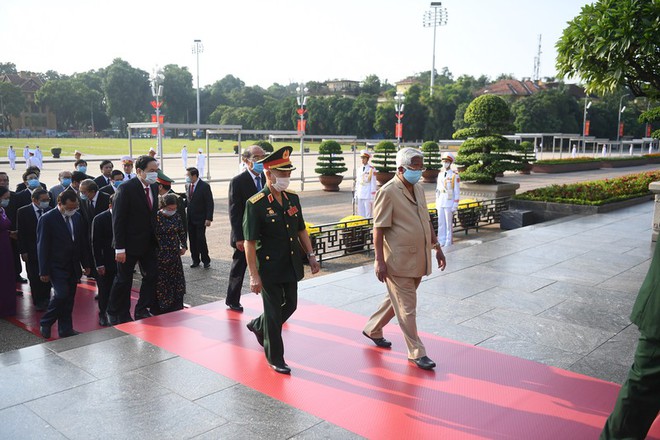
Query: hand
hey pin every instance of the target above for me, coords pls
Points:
(381, 270)
(255, 284)
(13, 235)
(24, 257)
(440, 257)
(120, 258)
(454, 207)
(240, 245)
(45, 278)
(87, 271)
(183, 251)
(313, 264)
(207, 223)
(101, 270)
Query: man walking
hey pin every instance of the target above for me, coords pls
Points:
(365, 186)
(200, 216)
(243, 186)
(104, 259)
(403, 238)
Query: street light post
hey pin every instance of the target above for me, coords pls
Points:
(618, 125)
(301, 99)
(197, 49)
(157, 92)
(587, 104)
(437, 16)
(398, 108)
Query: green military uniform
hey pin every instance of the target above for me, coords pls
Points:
(275, 228)
(638, 403)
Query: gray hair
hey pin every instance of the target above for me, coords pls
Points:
(405, 156)
(89, 184)
(249, 151)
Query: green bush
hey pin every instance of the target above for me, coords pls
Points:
(266, 146)
(432, 156)
(567, 160)
(527, 152)
(330, 161)
(385, 157)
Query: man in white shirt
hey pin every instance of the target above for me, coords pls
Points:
(127, 164)
(11, 155)
(184, 157)
(447, 195)
(201, 162)
(365, 186)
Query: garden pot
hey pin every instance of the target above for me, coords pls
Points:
(527, 169)
(383, 177)
(56, 151)
(430, 176)
(331, 183)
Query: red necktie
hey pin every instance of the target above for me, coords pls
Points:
(192, 188)
(146, 193)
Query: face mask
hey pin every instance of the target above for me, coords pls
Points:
(83, 196)
(281, 184)
(446, 164)
(44, 205)
(188, 180)
(116, 183)
(257, 167)
(66, 181)
(33, 183)
(168, 213)
(151, 177)
(82, 168)
(69, 213)
(412, 176)
(4, 203)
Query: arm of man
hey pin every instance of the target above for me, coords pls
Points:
(303, 236)
(251, 259)
(43, 249)
(383, 213)
(236, 211)
(21, 228)
(119, 219)
(97, 246)
(208, 200)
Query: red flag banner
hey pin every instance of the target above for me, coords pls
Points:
(586, 127)
(161, 120)
(648, 130)
(621, 129)
(398, 130)
(302, 125)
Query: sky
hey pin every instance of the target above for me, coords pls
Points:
(283, 41)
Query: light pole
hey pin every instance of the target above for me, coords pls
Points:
(618, 125)
(398, 108)
(197, 49)
(157, 92)
(585, 129)
(301, 99)
(437, 16)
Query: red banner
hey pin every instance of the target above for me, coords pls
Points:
(302, 125)
(621, 129)
(154, 130)
(398, 130)
(648, 130)
(586, 127)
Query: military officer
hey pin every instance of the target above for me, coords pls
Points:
(447, 195)
(365, 186)
(274, 232)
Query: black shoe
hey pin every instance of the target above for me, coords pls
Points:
(424, 363)
(381, 342)
(103, 320)
(207, 265)
(70, 333)
(143, 314)
(282, 369)
(113, 319)
(20, 279)
(194, 265)
(45, 331)
(235, 307)
(260, 336)
(19, 293)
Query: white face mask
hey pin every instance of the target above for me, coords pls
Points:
(168, 213)
(69, 213)
(281, 184)
(151, 177)
(446, 164)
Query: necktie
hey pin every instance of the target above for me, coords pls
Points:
(192, 189)
(39, 212)
(69, 224)
(257, 182)
(146, 193)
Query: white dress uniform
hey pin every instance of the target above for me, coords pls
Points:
(184, 157)
(201, 162)
(39, 157)
(365, 190)
(11, 155)
(26, 152)
(447, 195)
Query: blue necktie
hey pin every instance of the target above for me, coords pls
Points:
(69, 224)
(257, 181)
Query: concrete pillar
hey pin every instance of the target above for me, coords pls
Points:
(654, 187)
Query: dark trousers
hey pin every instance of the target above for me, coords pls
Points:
(104, 286)
(638, 403)
(60, 307)
(40, 290)
(236, 276)
(280, 301)
(17, 259)
(119, 303)
(198, 248)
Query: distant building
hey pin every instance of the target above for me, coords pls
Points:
(525, 87)
(35, 118)
(405, 84)
(343, 86)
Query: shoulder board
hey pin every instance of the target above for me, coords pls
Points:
(255, 198)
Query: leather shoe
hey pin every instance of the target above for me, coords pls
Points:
(424, 362)
(21, 280)
(381, 342)
(113, 319)
(103, 320)
(207, 265)
(282, 369)
(143, 314)
(259, 335)
(235, 307)
(70, 333)
(45, 331)
(194, 265)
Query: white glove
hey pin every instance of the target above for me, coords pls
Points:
(454, 207)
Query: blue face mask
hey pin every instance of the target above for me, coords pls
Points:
(66, 181)
(82, 168)
(116, 183)
(257, 167)
(188, 179)
(412, 176)
(83, 196)
(33, 183)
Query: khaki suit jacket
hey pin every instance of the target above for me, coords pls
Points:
(406, 229)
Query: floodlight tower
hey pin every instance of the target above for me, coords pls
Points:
(435, 17)
(197, 49)
(157, 93)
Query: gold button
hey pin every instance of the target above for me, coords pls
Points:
(287, 225)
(290, 238)
(291, 252)
(267, 257)
(273, 220)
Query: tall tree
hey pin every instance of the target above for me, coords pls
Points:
(127, 93)
(7, 68)
(13, 103)
(178, 95)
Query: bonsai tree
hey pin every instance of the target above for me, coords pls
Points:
(265, 145)
(384, 157)
(330, 161)
(432, 155)
(486, 152)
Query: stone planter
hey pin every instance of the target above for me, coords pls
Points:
(430, 176)
(383, 177)
(56, 152)
(622, 163)
(471, 190)
(566, 167)
(331, 183)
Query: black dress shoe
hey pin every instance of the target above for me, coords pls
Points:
(259, 335)
(113, 319)
(381, 342)
(45, 331)
(194, 265)
(103, 320)
(143, 314)
(235, 307)
(70, 333)
(21, 280)
(282, 369)
(207, 265)
(424, 362)
(19, 293)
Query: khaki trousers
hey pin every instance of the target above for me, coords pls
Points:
(400, 301)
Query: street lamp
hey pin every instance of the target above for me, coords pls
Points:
(301, 99)
(585, 128)
(157, 92)
(398, 108)
(619, 129)
(437, 16)
(197, 49)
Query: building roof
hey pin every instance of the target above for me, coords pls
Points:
(512, 87)
(26, 82)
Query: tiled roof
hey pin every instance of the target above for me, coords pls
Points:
(512, 87)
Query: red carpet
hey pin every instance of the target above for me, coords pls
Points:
(339, 376)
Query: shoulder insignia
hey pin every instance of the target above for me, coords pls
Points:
(255, 198)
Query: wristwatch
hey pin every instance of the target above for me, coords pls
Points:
(310, 254)
(436, 246)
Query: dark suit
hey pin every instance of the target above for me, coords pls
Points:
(26, 221)
(11, 212)
(133, 225)
(241, 188)
(200, 209)
(101, 181)
(22, 186)
(89, 212)
(104, 255)
(108, 189)
(24, 198)
(61, 256)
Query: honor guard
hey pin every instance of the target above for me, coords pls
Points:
(447, 195)
(365, 186)
(275, 238)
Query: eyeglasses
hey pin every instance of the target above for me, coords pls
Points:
(414, 169)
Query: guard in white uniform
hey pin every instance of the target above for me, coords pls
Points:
(11, 155)
(365, 186)
(184, 157)
(201, 162)
(39, 157)
(127, 164)
(447, 195)
(26, 152)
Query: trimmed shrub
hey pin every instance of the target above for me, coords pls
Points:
(330, 161)
(385, 157)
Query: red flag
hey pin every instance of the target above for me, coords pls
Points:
(302, 125)
(586, 127)
(648, 130)
(621, 129)
(398, 130)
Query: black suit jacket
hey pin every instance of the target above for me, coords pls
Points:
(108, 189)
(24, 198)
(200, 205)
(241, 188)
(133, 223)
(89, 212)
(60, 256)
(100, 181)
(104, 253)
(26, 222)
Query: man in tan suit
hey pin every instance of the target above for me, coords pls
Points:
(403, 239)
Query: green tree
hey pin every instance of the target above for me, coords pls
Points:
(127, 92)
(371, 85)
(363, 113)
(13, 103)
(385, 120)
(416, 114)
(178, 95)
(9, 68)
(549, 111)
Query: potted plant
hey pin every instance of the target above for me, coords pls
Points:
(329, 164)
(384, 161)
(56, 152)
(527, 153)
(432, 161)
